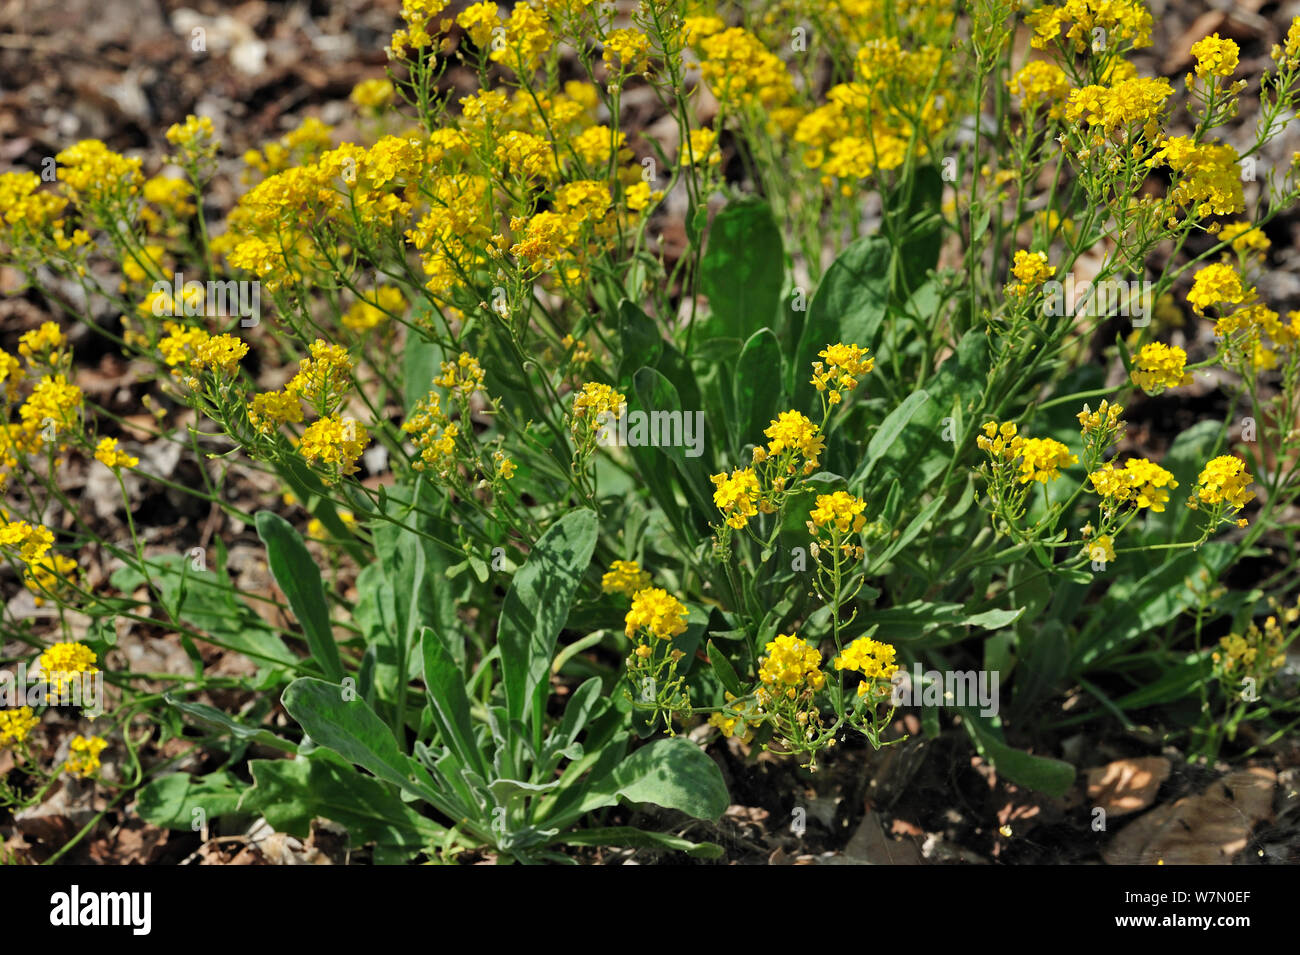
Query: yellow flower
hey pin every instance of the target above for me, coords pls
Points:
(594, 400)
(270, 409)
(1120, 21)
(372, 94)
(1000, 440)
(624, 577)
(1030, 270)
(840, 369)
(31, 542)
(479, 20)
(1215, 57)
(701, 149)
(1224, 480)
(789, 664)
(334, 442)
(108, 454)
(1216, 285)
(657, 612)
(1101, 549)
(1160, 366)
(194, 138)
(792, 432)
(1105, 418)
(464, 376)
(324, 378)
(1042, 458)
(1041, 83)
(1139, 483)
(871, 658)
(83, 755)
(43, 345)
(220, 353)
(48, 576)
(839, 510)
(626, 49)
(737, 496)
(62, 663)
(16, 724)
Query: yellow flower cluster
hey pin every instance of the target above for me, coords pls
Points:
(873, 659)
(1000, 440)
(48, 576)
(1215, 57)
(1106, 419)
(335, 443)
(1130, 105)
(63, 662)
(83, 755)
(1042, 458)
(16, 725)
(368, 313)
(1120, 21)
(1139, 483)
(1216, 285)
(656, 613)
(841, 367)
(839, 511)
(624, 577)
(372, 94)
(737, 496)
(434, 435)
(1260, 652)
(790, 665)
(1030, 270)
(1223, 481)
(31, 542)
(95, 175)
(1207, 179)
(741, 71)
(108, 454)
(461, 377)
(1039, 83)
(1159, 366)
(792, 436)
(592, 401)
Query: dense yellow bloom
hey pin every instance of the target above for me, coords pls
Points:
(1216, 285)
(1223, 481)
(1207, 179)
(63, 663)
(1040, 83)
(737, 496)
(701, 150)
(24, 206)
(31, 542)
(594, 400)
(479, 20)
(1000, 440)
(841, 367)
(83, 755)
(789, 665)
(528, 37)
(597, 145)
(16, 724)
(1258, 652)
(52, 408)
(1119, 20)
(43, 345)
(1215, 57)
(108, 454)
(794, 432)
(1136, 102)
(624, 577)
(372, 94)
(334, 442)
(220, 353)
(627, 50)
(270, 409)
(462, 377)
(657, 612)
(1246, 239)
(433, 434)
(741, 71)
(1160, 366)
(839, 510)
(1139, 483)
(639, 196)
(871, 658)
(1030, 269)
(93, 173)
(49, 575)
(1042, 458)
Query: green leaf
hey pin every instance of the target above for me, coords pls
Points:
(536, 608)
(849, 306)
(757, 384)
(170, 801)
(673, 773)
(299, 578)
(290, 793)
(888, 433)
(640, 341)
(351, 729)
(723, 668)
(743, 270)
(1051, 776)
(215, 717)
(449, 702)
